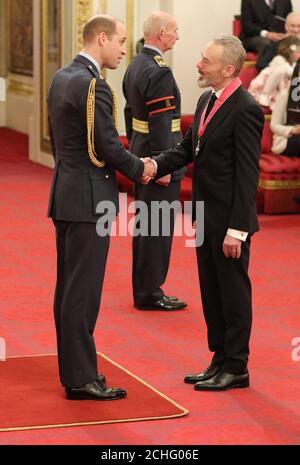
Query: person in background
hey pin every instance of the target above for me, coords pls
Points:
(276, 76)
(257, 27)
(139, 45)
(152, 114)
(292, 24)
(285, 120)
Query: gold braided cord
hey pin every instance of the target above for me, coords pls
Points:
(115, 106)
(90, 112)
(91, 120)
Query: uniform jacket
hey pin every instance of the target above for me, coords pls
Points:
(78, 185)
(226, 170)
(256, 16)
(153, 96)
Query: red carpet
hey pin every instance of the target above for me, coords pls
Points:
(33, 400)
(160, 348)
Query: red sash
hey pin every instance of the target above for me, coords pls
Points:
(227, 92)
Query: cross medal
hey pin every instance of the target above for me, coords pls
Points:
(197, 150)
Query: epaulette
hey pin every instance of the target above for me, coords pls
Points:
(160, 61)
(93, 71)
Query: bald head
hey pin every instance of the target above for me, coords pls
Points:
(161, 30)
(292, 24)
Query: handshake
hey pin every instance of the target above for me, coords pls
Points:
(150, 171)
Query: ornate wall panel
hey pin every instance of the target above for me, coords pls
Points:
(21, 37)
(51, 14)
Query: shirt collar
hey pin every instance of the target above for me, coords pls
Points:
(89, 57)
(219, 92)
(152, 47)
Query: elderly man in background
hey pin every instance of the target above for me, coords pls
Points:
(152, 116)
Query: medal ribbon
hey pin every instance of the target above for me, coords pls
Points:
(227, 92)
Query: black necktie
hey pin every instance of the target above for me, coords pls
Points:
(212, 101)
(271, 4)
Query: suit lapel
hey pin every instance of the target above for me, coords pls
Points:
(199, 110)
(219, 117)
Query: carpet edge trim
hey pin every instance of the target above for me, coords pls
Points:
(106, 422)
(145, 383)
(183, 413)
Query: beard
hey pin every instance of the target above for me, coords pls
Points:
(203, 82)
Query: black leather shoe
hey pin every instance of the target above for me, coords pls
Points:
(172, 298)
(223, 381)
(96, 390)
(163, 304)
(102, 379)
(210, 372)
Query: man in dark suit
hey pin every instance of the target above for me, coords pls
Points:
(152, 116)
(86, 149)
(259, 31)
(224, 143)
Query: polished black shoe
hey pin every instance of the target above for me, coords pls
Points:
(96, 390)
(223, 381)
(102, 379)
(210, 372)
(172, 298)
(163, 304)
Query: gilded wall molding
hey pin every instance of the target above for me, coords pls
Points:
(84, 10)
(130, 4)
(20, 88)
(103, 7)
(47, 57)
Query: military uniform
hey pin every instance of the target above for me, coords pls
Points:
(87, 151)
(152, 115)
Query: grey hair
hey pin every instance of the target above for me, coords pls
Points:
(156, 21)
(234, 52)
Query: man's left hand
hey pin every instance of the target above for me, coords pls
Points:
(232, 247)
(164, 181)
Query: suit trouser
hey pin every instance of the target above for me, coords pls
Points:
(151, 255)
(227, 303)
(265, 48)
(81, 260)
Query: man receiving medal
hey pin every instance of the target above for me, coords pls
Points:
(224, 143)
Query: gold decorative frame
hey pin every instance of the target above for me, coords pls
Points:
(20, 36)
(84, 10)
(129, 27)
(45, 78)
(20, 88)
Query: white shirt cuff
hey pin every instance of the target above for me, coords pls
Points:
(263, 33)
(241, 235)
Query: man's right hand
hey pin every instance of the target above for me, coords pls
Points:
(150, 170)
(275, 36)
